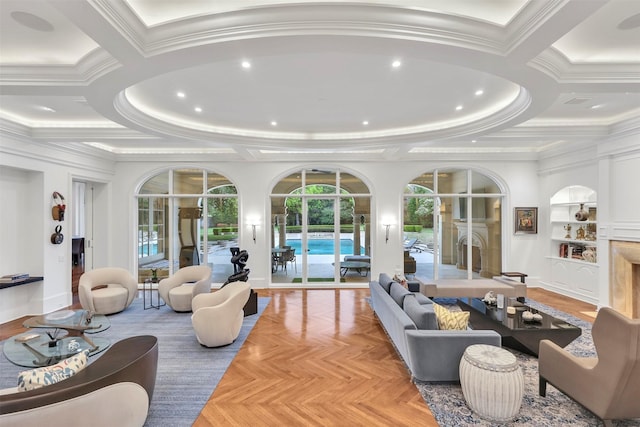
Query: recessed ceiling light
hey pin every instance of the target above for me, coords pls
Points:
(181, 95)
(246, 64)
(274, 123)
(47, 109)
(396, 63)
(479, 92)
(595, 107)
(474, 141)
(198, 109)
(365, 122)
(459, 107)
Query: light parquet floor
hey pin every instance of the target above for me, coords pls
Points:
(319, 357)
(316, 358)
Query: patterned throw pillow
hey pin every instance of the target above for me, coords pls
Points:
(451, 320)
(40, 377)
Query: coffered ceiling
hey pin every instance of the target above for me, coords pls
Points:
(278, 79)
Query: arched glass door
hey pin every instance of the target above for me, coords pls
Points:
(453, 225)
(186, 217)
(319, 220)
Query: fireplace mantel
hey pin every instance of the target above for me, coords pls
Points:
(624, 274)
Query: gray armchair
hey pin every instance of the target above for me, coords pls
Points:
(608, 385)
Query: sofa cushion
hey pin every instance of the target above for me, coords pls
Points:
(422, 299)
(398, 292)
(451, 320)
(423, 315)
(40, 377)
(385, 281)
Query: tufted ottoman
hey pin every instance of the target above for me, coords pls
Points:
(492, 382)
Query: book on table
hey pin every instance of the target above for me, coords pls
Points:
(10, 278)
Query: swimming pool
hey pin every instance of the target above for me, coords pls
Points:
(323, 246)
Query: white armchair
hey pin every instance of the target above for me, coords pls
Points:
(217, 317)
(179, 290)
(107, 290)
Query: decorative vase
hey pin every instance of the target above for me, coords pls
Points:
(582, 214)
(589, 254)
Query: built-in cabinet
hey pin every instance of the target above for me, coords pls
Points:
(573, 251)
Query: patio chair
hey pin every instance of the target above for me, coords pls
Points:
(409, 244)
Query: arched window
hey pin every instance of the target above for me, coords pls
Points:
(319, 217)
(453, 225)
(186, 217)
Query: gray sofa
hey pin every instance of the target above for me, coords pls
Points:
(430, 354)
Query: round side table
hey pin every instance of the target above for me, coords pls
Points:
(492, 382)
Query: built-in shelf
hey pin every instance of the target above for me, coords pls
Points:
(573, 244)
(21, 282)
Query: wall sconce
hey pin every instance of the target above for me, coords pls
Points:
(386, 235)
(253, 229)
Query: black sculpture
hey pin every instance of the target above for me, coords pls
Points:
(241, 274)
(239, 260)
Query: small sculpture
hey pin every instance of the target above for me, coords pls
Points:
(73, 345)
(580, 233)
(529, 316)
(239, 260)
(568, 228)
(490, 298)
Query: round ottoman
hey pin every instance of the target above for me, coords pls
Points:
(492, 382)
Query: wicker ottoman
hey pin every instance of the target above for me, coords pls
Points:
(492, 382)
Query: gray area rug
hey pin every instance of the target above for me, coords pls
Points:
(447, 403)
(188, 373)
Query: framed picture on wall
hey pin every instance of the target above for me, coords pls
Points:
(526, 220)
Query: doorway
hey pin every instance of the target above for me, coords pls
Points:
(316, 224)
(88, 207)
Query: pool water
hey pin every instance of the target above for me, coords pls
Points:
(323, 246)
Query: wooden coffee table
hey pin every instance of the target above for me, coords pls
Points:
(516, 333)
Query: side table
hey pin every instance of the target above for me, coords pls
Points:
(492, 382)
(147, 286)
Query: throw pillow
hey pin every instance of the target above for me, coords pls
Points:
(450, 320)
(40, 377)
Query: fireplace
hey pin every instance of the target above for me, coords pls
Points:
(624, 277)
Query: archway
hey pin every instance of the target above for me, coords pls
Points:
(186, 217)
(442, 209)
(319, 217)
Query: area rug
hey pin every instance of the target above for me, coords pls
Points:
(188, 373)
(447, 403)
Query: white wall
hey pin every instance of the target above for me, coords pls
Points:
(613, 168)
(29, 174)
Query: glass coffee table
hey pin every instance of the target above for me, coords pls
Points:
(516, 332)
(56, 336)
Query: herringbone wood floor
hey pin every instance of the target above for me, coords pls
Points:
(320, 358)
